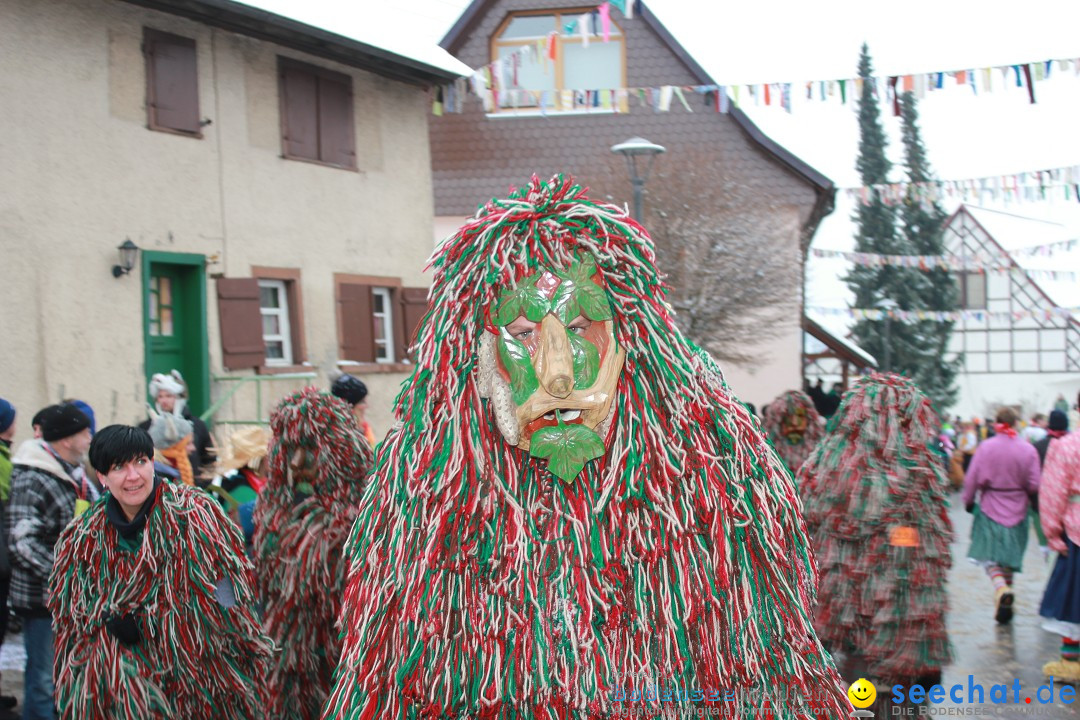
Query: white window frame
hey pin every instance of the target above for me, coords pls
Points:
(282, 313)
(387, 341)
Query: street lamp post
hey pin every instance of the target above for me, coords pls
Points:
(633, 149)
(888, 305)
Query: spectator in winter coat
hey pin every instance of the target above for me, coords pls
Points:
(7, 434)
(48, 489)
(1005, 475)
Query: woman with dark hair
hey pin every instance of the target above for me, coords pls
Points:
(151, 599)
(1004, 474)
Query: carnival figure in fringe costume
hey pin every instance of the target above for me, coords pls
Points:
(794, 426)
(1059, 512)
(151, 600)
(875, 496)
(574, 508)
(317, 465)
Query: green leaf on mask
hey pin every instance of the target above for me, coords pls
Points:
(578, 294)
(525, 299)
(567, 448)
(518, 363)
(586, 360)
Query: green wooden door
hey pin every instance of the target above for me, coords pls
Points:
(174, 326)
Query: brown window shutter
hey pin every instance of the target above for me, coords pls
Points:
(241, 323)
(299, 112)
(357, 327)
(172, 82)
(336, 136)
(413, 304)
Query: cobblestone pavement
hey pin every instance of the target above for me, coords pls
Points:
(989, 654)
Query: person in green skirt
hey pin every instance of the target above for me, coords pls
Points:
(1004, 478)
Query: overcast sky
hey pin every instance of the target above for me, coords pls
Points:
(795, 40)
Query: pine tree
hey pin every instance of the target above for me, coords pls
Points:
(911, 349)
(923, 229)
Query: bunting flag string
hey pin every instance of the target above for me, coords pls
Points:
(500, 77)
(951, 263)
(1029, 185)
(948, 316)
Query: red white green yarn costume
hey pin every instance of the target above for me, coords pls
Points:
(794, 426)
(491, 581)
(317, 464)
(875, 495)
(196, 658)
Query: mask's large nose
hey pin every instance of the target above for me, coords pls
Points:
(554, 363)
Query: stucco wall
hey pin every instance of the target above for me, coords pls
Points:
(81, 173)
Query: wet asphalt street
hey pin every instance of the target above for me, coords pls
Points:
(987, 652)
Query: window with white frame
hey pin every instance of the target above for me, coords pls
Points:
(274, 306)
(584, 75)
(973, 291)
(383, 324)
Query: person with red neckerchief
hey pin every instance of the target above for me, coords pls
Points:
(1004, 475)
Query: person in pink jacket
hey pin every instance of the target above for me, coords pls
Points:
(1059, 510)
(1004, 474)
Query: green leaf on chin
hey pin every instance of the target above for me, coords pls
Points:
(567, 448)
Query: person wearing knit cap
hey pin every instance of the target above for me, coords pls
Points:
(153, 600)
(48, 489)
(352, 390)
(7, 435)
(1056, 428)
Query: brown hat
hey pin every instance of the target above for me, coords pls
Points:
(247, 447)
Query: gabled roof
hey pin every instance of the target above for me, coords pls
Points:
(1011, 233)
(243, 19)
(825, 188)
(840, 347)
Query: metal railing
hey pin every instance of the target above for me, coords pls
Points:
(241, 381)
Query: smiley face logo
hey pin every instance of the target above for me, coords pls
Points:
(862, 693)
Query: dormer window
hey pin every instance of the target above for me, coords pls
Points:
(582, 77)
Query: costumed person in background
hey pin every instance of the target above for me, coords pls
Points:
(245, 476)
(573, 505)
(875, 497)
(172, 433)
(1059, 512)
(318, 463)
(152, 600)
(1004, 475)
(166, 390)
(794, 427)
(352, 390)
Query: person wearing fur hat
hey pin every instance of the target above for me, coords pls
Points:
(318, 464)
(166, 390)
(171, 433)
(48, 489)
(572, 506)
(152, 599)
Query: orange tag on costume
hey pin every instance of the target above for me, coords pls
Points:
(81, 506)
(903, 536)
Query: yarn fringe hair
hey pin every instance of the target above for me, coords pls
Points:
(480, 586)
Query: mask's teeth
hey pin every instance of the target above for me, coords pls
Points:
(568, 415)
